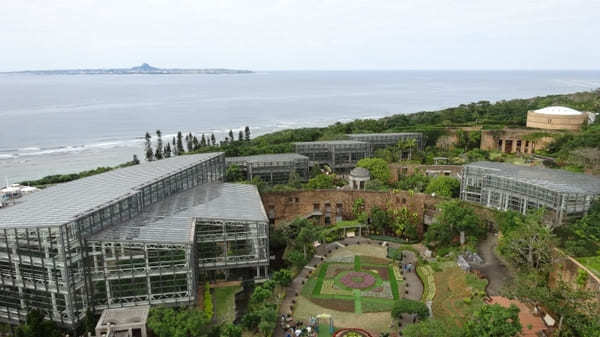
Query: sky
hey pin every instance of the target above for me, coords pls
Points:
(301, 35)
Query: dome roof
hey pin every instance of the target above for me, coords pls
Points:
(360, 172)
(558, 110)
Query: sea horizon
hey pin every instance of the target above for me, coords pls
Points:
(55, 124)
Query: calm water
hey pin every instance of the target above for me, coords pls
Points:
(59, 124)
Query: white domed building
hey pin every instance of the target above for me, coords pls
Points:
(556, 118)
(358, 178)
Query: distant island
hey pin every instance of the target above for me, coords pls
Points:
(145, 68)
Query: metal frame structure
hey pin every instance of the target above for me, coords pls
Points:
(340, 155)
(122, 238)
(564, 194)
(272, 168)
(383, 140)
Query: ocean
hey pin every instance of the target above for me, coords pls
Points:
(67, 123)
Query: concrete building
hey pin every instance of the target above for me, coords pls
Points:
(556, 118)
(564, 195)
(359, 176)
(123, 322)
(525, 141)
(272, 168)
(140, 235)
(340, 155)
(383, 140)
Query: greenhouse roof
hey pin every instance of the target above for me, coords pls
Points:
(552, 179)
(262, 158)
(171, 220)
(63, 203)
(332, 142)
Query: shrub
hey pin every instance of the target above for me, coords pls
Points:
(406, 306)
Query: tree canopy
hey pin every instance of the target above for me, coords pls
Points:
(378, 168)
(493, 321)
(444, 186)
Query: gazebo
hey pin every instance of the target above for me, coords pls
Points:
(123, 322)
(359, 177)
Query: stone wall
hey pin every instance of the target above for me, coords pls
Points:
(330, 206)
(566, 268)
(409, 169)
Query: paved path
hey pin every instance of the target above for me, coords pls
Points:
(492, 268)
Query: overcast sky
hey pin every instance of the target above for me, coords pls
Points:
(303, 34)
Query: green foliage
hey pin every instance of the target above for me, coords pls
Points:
(381, 220)
(530, 243)
(36, 326)
(405, 223)
(296, 258)
(283, 277)
(417, 182)
(208, 304)
(63, 178)
(378, 168)
(444, 186)
(358, 206)
(234, 173)
(169, 322)
(321, 182)
(375, 185)
(231, 330)
(454, 217)
(406, 306)
(493, 321)
(431, 328)
(582, 238)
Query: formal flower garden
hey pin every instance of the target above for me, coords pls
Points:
(355, 284)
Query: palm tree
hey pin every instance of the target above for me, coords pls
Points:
(410, 144)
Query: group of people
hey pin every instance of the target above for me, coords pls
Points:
(299, 329)
(407, 267)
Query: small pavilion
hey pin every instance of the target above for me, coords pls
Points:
(123, 322)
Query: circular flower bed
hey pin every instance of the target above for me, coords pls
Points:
(357, 280)
(352, 333)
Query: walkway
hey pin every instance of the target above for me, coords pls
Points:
(492, 268)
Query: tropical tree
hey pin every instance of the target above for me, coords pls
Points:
(231, 135)
(247, 133)
(167, 153)
(148, 147)
(444, 186)
(234, 173)
(308, 234)
(283, 277)
(180, 149)
(213, 139)
(405, 223)
(36, 326)
(378, 168)
(455, 218)
(240, 136)
(321, 182)
(174, 146)
(380, 219)
(493, 321)
(530, 244)
(159, 146)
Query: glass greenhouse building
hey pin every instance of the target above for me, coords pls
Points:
(383, 140)
(272, 168)
(133, 236)
(340, 155)
(564, 195)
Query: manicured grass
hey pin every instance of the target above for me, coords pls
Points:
(225, 303)
(393, 283)
(592, 263)
(356, 263)
(357, 303)
(320, 278)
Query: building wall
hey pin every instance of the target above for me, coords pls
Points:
(402, 169)
(513, 141)
(555, 122)
(283, 207)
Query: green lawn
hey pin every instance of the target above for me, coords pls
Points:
(592, 263)
(225, 303)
